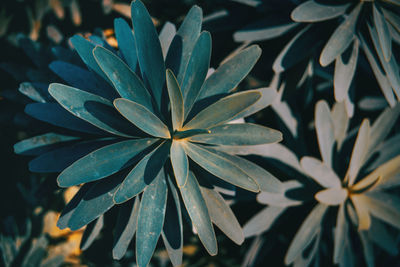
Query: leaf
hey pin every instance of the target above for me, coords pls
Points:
(126, 43)
(268, 96)
(384, 35)
(223, 110)
(312, 11)
(341, 38)
(380, 236)
(340, 121)
(387, 171)
(84, 49)
(91, 232)
(151, 219)
(35, 91)
(308, 229)
(340, 234)
(142, 174)
(103, 162)
(58, 159)
(172, 233)
(125, 228)
(179, 162)
(280, 199)
(361, 205)
(265, 180)
(183, 42)
(262, 221)
(148, 46)
(222, 216)
(332, 196)
(385, 207)
(82, 79)
(142, 118)
(220, 167)
(263, 30)
(325, 131)
(97, 201)
(196, 71)
(240, 134)
(89, 107)
(166, 36)
(54, 114)
(359, 153)
(198, 212)
(176, 101)
(320, 172)
(125, 81)
(344, 72)
(231, 73)
(41, 142)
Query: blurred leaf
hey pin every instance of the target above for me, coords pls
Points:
(385, 39)
(91, 233)
(262, 221)
(332, 196)
(313, 11)
(320, 172)
(325, 131)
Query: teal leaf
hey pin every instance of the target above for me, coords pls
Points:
(344, 72)
(262, 221)
(223, 110)
(84, 49)
(172, 233)
(340, 234)
(222, 215)
(125, 228)
(35, 91)
(325, 131)
(308, 230)
(103, 162)
(126, 43)
(238, 134)
(95, 202)
(198, 212)
(220, 166)
(142, 118)
(183, 42)
(188, 133)
(385, 207)
(89, 107)
(263, 30)
(312, 11)
(320, 172)
(125, 81)
(151, 219)
(382, 237)
(341, 37)
(180, 163)
(148, 46)
(166, 36)
(143, 173)
(268, 97)
(368, 249)
(39, 142)
(382, 29)
(231, 73)
(91, 232)
(176, 101)
(196, 71)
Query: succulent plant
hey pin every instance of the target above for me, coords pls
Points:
(359, 202)
(340, 29)
(136, 135)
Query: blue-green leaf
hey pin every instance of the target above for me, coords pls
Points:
(166, 36)
(103, 162)
(231, 73)
(125, 228)
(35, 91)
(382, 29)
(196, 71)
(176, 101)
(312, 11)
(341, 37)
(126, 43)
(183, 42)
(220, 166)
(151, 219)
(340, 234)
(91, 232)
(96, 202)
(180, 163)
(222, 215)
(238, 134)
(143, 173)
(40, 142)
(198, 212)
(89, 107)
(265, 29)
(148, 46)
(143, 118)
(223, 110)
(84, 49)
